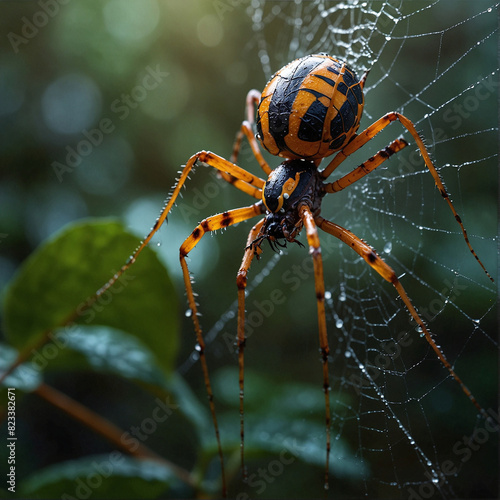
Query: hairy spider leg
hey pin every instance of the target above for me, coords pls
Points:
(382, 268)
(366, 167)
(249, 183)
(241, 283)
(213, 223)
(319, 283)
(370, 132)
(245, 181)
(246, 129)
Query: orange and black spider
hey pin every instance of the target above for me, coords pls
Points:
(310, 109)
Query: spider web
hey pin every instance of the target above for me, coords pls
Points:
(393, 402)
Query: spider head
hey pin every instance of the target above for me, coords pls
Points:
(278, 229)
(289, 183)
(292, 182)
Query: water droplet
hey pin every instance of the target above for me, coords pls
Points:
(435, 480)
(342, 297)
(388, 247)
(158, 244)
(328, 295)
(387, 37)
(339, 323)
(347, 354)
(197, 347)
(189, 313)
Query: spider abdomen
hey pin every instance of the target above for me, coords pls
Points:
(310, 108)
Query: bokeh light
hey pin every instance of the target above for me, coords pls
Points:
(71, 103)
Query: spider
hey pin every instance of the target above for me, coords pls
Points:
(309, 109)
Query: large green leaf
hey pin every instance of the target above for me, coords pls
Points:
(24, 377)
(282, 416)
(62, 275)
(102, 476)
(109, 350)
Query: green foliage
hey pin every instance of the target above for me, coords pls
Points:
(62, 275)
(130, 331)
(111, 476)
(284, 417)
(25, 377)
(132, 334)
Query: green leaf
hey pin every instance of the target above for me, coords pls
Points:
(100, 476)
(110, 350)
(107, 349)
(62, 275)
(191, 407)
(290, 398)
(280, 417)
(306, 441)
(115, 351)
(24, 377)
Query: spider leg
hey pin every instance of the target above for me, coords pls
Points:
(253, 182)
(366, 167)
(370, 132)
(241, 283)
(379, 265)
(213, 223)
(247, 128)
(315, 251)
(241, 185)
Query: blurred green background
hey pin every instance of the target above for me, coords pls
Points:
(102, 105)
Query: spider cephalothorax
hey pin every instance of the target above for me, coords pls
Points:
(292, 183)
